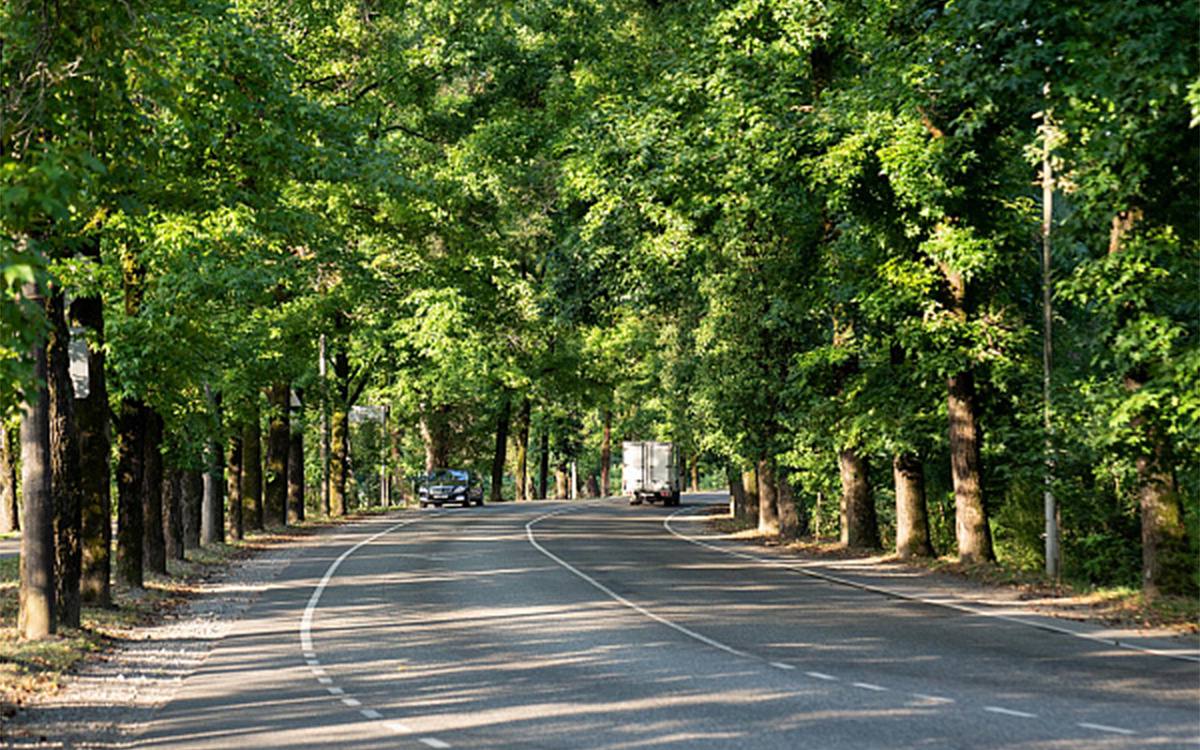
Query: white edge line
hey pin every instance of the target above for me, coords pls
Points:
(869, 686)
(913, 598)
(398, 727)
(1009, 712)
(1105, 728)
(622, 600)
(822, 676)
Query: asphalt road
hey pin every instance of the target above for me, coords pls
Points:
(548, 625)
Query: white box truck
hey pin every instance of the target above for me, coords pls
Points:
(650, 471)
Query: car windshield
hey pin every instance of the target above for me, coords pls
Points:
(448, 476)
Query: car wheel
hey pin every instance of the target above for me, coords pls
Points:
(423, 504)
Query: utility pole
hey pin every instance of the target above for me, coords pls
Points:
(1053, 554)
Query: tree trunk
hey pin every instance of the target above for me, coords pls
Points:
(695, 472)
(561, 482)
(172, 504)
(278, 439)
(860, 528)
(65, 486)
(95, 454)
(212, 511)
(544, 461)
(296, 476)
(339, 458)
(237, 505)
(36, 615)
(435, 433)
(792, 520)
(155, 549)
(9, 512)
(523, 451)
(749, 512)
(192, 498)
(768, 508)
(252, 472)
(606, 456)
(500, 456)
(912, 514)
(131, 434)
(972, 531)
(737, 493)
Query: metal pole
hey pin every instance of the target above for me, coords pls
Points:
(1051, 506)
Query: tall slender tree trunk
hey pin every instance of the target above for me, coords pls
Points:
(172, 504)
(606, 456)
(694, 486)
(748, 513)
(155, 549)
(296, 476)
(912, 514)
(500, 455)
(792, 521)
(9, 511)
(131, 433)
(544, 461)
(523, 450)
(95, 456)
(65, 485)
(36, 607)
(252, 495)
(972, 530)
(768, 499)
(278, 439)
(339, 436)
(435, 433)
(737, 493)
(561, 482)
(212, 512)
(860, 526)
(191, 490)
(237, 504)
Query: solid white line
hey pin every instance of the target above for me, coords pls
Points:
(620, 599)
(869, 686)
(1105, 728)
(1009, 712)
(936, 603)
(804, 569)
(352, 702)
(371, 713)
(306, 643)
(433, 742)
(822, 676)
(781, 665)
(398, 727)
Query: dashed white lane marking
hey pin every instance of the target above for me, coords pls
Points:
(336, 691)
(371, 713)
(782, 665)
(1105, 728)
(822, 676)
(433, 742)
(325, 680)
(398, 727)
(318, 672)
(1009, 712)
(310, 655)
(311, 662)
(934, 698)
(869, 686)
(622, 600)
(952, 605)
(352, 702)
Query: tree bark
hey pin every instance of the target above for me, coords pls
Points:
(860, 527)
(435, 433)
(695, 472)
(523, 451)
(237, 505)
(212, 510)
(65, 486)
(339, 436)
(544, 461)
(972, 531)
(191, 496)
(278, 439)
(296, 476)
(768, 508)
(561, 482)
(95, 452)
(172, 504)
(155, 546)
(749, 512)
(912, 514)
(737, 493)
(792, 520)
(36, 606)
(9, 511)
(131, 429)
(606, 456)
(500, 455)
(252, 495)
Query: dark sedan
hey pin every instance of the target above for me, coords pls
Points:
(443, 486)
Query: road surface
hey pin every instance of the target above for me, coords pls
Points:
(549, 625)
